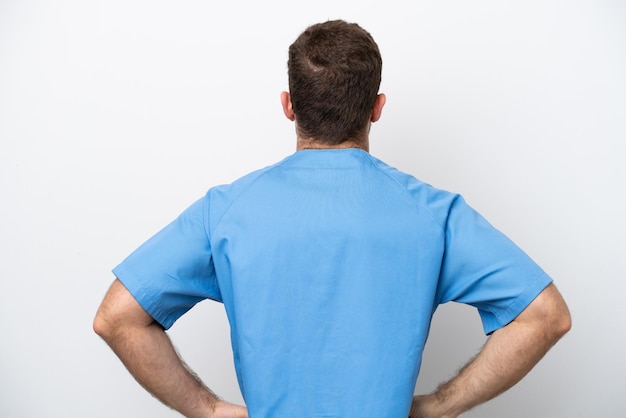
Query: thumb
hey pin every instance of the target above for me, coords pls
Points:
(239, 411)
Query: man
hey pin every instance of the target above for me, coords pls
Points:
(330, 265)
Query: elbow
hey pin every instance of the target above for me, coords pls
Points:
(108, 322)
(114, 312)
(563, 323)
(559, 319)
(549, 315)
(557, 312)
(102, 326)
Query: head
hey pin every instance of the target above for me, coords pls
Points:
(334, 73)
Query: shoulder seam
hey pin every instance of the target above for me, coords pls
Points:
(261, 173)
(406, 192)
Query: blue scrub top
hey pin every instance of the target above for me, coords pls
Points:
(330, 265)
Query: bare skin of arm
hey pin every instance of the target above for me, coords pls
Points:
(148, 354)
(509, 354)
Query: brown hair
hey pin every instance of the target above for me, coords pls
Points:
(334, 73)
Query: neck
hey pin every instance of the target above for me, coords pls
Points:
(303, 143)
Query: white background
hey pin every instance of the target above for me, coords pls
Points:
(116, 115)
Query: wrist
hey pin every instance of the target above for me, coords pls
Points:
(429, 406)
(216, 409)
(223, 409)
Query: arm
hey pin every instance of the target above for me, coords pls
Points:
(509, 354)
(148, 354)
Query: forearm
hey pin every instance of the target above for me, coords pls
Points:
(150, 357)
(509, 354)
(147, 352)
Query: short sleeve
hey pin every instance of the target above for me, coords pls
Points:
(173, 270)
(484, 268)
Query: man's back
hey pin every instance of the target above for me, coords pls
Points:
(328, 270)
(330, 265)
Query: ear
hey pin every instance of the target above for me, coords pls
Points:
(377, 110)
(285, 100)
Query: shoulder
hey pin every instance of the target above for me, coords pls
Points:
(436, 201)
(243, 182)
(219, 198)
